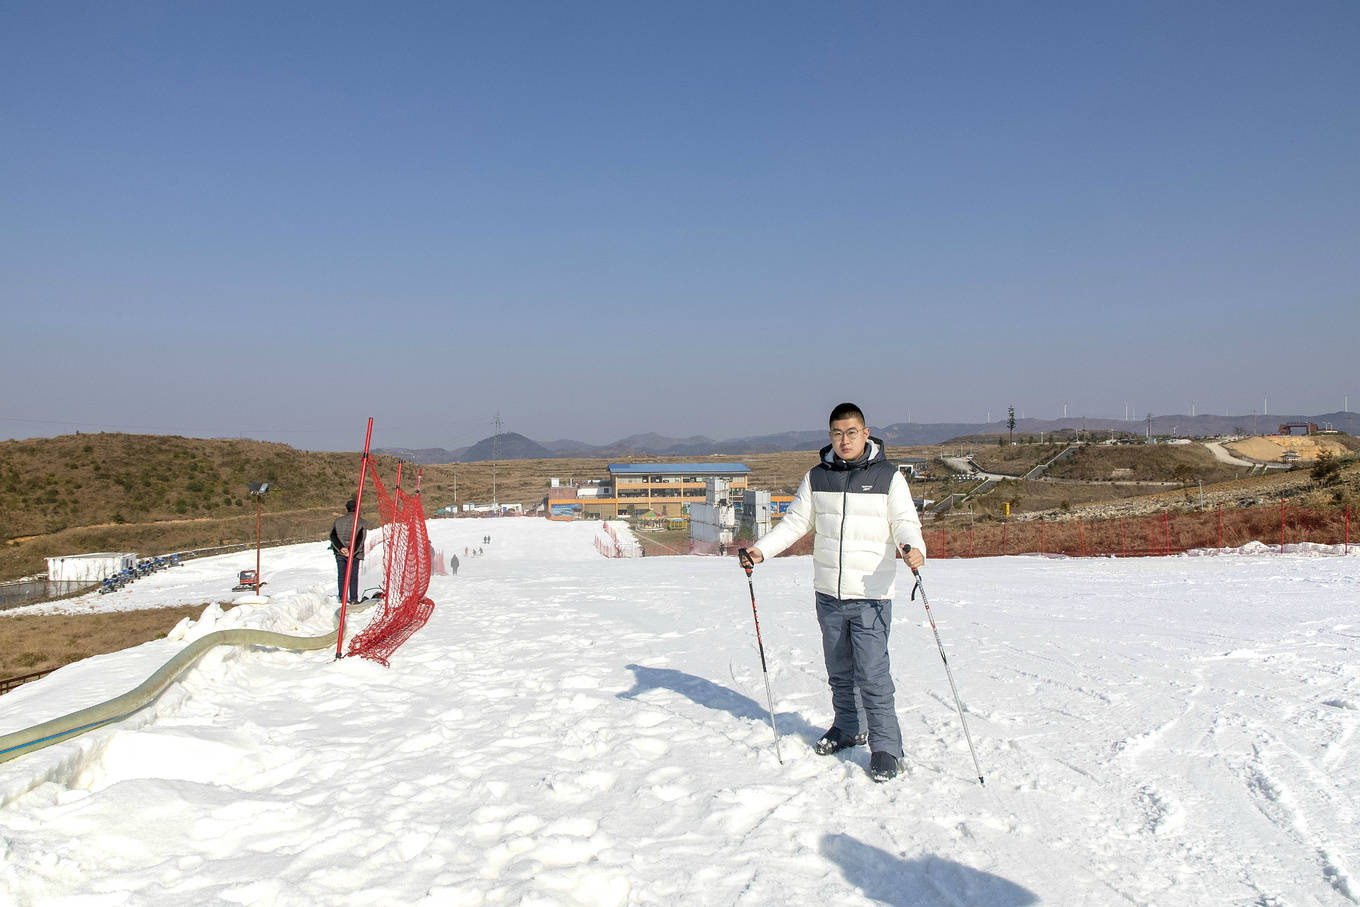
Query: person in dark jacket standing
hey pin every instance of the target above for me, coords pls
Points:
(351, 524)
(860, 508)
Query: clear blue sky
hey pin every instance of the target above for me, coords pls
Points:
(277, 219)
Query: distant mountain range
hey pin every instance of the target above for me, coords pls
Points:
(514, 446)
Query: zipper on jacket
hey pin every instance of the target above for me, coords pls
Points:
(845, 511)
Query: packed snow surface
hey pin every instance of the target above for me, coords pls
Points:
(569, 729)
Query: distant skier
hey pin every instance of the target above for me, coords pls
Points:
(351, 524)
(453, 564)
(859, 505)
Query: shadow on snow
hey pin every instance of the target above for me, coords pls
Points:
(714, 696)
(926, 880)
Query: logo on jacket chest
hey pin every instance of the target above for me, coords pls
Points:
(866, 488)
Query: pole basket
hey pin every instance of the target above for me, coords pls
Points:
(406, 568)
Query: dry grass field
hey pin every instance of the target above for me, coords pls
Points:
(42, 642)
(1145, 463)
(1040, 495)
(665, 543)
(1009, 460)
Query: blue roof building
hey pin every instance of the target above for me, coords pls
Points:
(701, 469)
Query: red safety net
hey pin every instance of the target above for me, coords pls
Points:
(406, 576)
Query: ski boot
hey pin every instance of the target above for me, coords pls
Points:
(835, 740)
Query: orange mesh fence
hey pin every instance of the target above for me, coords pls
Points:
(1166, 533)
(1163, 534)
(406, 572)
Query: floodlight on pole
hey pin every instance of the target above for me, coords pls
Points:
(257, 490)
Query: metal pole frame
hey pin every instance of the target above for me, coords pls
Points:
(258, 499)
(353, 535)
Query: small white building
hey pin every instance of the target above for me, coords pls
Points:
(755, 512)
(88, 568)
(713, 523)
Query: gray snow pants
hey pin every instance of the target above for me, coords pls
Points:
(855, 646)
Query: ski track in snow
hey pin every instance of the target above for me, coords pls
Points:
(574, 730)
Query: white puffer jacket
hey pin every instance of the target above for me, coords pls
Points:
(858, 510)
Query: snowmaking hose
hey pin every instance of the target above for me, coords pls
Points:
(29, 740)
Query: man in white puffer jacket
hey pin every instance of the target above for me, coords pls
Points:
(860, 508)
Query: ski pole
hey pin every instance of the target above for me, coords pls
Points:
(747, 565)
(948, 673)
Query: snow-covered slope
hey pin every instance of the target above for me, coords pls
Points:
(570, 729)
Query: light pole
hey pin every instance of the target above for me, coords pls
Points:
(258, 490)
(495, 456)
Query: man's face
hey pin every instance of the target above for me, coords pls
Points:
(848, 437)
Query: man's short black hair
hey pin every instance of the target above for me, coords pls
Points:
(350, 505)
(847, 411)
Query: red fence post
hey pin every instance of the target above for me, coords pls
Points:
(1003, 539)
(944, 543)
(1041, 537)
(1123, 548)
(1347, 548)
(354, 531)
(1220, 526)
(970, 541)
(1082, 532)
(1166, 521)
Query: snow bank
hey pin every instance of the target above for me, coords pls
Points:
(1305, 549)
(570, 729)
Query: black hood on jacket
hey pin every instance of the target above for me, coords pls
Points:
(874, 452)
